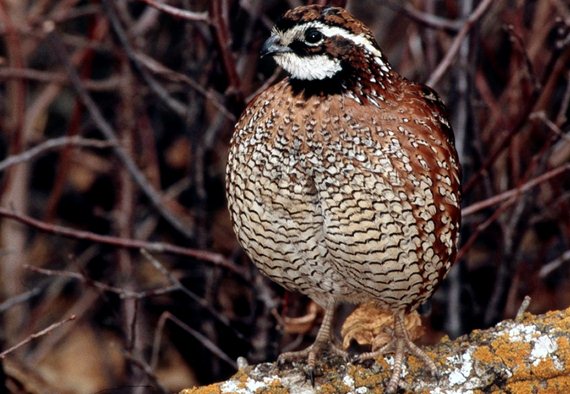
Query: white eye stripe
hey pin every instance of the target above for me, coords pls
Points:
(331, 31)
(298, 33)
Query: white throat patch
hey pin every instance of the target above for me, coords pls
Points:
(317, 67)
(310, 67)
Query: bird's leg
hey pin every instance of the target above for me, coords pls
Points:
(400, 345)
(323, 341)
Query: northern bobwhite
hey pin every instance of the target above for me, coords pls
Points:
(343, 181)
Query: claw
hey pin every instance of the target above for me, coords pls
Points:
(323, 342)
(400, 345)
(311, 373)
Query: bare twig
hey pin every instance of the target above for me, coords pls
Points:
(475, 207)
(525, 112)
(51, 144)
(157, 247)
(148, 371)
(425, 18)
(518, 40)
(174, 76)
(541, 115)
(482, 226)
(178, 12)
(6, 73)
(221, 30)
(109, 133)
(20, 298)
(35, 336)
(553, 265)
(200, 301)
(456, 45)
(120, 291)
(206, 342)
(522, 309)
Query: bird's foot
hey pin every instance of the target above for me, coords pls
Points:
(400, 346)
(310, 354)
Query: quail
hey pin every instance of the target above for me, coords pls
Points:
(342, 180)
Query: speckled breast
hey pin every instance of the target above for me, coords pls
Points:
(335, 202)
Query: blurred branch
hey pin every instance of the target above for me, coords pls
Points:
(52, 144)
(475, 207)
(178, 12)
(456, 44)
(149, 373)
(518, 40)
(35, 336)
(553, 265)
(200, 301)
(206, 342)
(529, 104)
(18, 299)
(6, 73)
(157, 247)
(224, 40)
(425, 18)
(176, 106)
(541, 115)
(109, 133)
(120, 291)
(174, 76)
(478, 230)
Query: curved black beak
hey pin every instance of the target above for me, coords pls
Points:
(272, 46)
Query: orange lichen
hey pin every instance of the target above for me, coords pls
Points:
(275, 387)
(563, 352)
(211, 389)
(512, 354)
(529, 356)
(364, 377)
(484, 355)
(560, 384)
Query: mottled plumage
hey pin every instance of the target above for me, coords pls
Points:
(343, 179)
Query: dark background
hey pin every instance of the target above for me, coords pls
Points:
(115, 119)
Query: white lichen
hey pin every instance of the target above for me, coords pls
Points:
(249, 387)
(545, 348)
(522, 333)
(348, 381)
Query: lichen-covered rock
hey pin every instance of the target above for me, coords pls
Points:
(527, 356)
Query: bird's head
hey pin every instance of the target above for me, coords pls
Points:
(316, 43)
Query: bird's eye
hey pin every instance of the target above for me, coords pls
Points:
(313, 36)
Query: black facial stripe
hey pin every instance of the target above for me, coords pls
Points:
(302, 49)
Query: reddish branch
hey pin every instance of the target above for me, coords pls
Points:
(425, 18)
(107, 131)
(15, 97)
(156, 247)
(454, 48)
(471, 209)
(224, 41)
(551, 71)
(177, 12)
